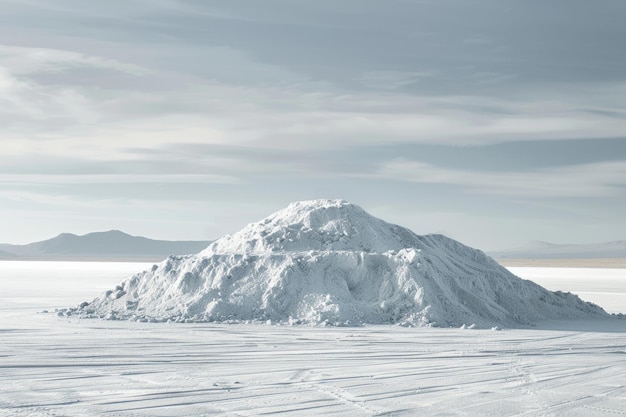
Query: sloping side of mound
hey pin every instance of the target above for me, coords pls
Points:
(441, 283)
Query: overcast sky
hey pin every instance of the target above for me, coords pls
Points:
(493, 122)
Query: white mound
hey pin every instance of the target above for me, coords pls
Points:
(330, 262)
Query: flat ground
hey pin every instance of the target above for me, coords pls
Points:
(565, 263)
(51, 366)
(55, 367)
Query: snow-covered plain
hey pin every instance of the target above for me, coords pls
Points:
(53, 366)
(602, 286)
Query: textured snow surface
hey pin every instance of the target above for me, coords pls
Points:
(57, 366)
(53, 367)
(330, 262)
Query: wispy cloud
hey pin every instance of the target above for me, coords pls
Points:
(30, 60)
(269, 107)
(585, 180)
(56, 179)
(391, 80)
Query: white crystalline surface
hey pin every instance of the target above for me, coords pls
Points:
(330, 262)
(58, 366)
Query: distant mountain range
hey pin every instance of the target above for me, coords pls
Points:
(113, 245)
(545, 250)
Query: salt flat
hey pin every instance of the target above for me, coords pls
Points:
(603, 286)
(52, 366)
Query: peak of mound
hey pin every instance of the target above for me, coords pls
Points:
(329, 261)
(323, 225)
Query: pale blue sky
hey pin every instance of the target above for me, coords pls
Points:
(495, 123)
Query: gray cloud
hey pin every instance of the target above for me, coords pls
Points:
(487, 101)
(25, 179)
(587, 180)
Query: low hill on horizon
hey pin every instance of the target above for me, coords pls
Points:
(112, 245)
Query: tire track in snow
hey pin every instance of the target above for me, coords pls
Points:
(316, 381)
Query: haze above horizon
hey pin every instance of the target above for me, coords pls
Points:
(495, 124)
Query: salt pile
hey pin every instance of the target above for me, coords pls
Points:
(330, 262)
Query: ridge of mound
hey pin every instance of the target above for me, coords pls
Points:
(330, 262)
